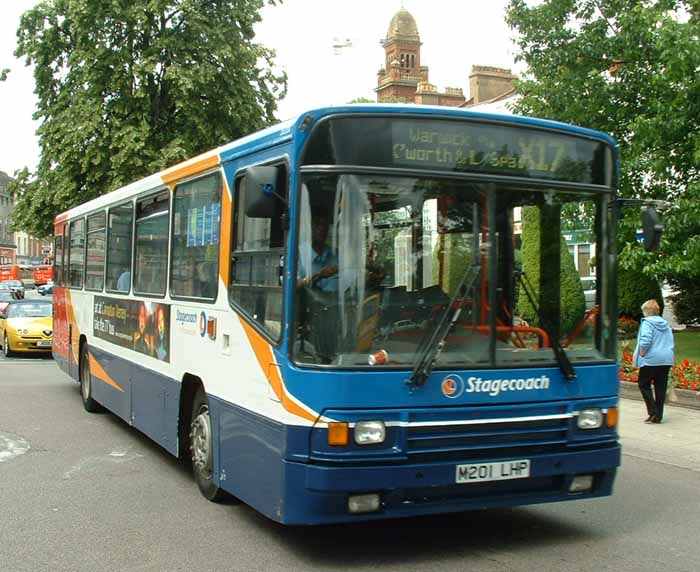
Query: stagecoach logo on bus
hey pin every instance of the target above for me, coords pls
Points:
(453, 385)
(186, 321)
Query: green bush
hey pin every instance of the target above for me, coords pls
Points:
(573, 303)
(633, 289)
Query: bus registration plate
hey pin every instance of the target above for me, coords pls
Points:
(501, 471)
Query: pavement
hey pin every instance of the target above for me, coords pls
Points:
(675, 441)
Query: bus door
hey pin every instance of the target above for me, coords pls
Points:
(61, 339)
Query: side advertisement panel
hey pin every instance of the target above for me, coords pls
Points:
(134, 324)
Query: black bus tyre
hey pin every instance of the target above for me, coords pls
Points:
(201, 448)
(90, 405)
(7, 352)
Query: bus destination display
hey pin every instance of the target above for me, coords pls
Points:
(481, 148)
(461, 146)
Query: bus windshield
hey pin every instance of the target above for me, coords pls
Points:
(380, 257)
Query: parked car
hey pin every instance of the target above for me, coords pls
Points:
(45, 289)
(589, 290)
(14, 285)
(27, 326)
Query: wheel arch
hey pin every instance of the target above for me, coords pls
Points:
(81, 343)
(190, 383)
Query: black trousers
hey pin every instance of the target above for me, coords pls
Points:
(659, 375)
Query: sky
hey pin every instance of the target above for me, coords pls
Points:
(456, 34)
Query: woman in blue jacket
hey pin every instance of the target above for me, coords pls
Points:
(654, 358)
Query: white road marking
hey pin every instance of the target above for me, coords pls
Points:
(11, 447)
(92, 463)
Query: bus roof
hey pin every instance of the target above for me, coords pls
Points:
(283, 131)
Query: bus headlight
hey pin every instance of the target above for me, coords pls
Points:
(370, 432)
(590, 419)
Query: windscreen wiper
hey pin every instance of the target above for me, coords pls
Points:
(567, 369)
(430, 351)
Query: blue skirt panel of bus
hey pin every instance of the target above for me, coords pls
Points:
(148, 400)
(251, 453)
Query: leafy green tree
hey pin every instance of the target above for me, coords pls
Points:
(629, 68)
(126, 88)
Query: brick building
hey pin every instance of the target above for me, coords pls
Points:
(18, 247)
(403, 78)
(488, 84)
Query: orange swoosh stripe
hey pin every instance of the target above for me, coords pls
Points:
(267, 362)
(189, 168)
(98, 371)
(225, 244)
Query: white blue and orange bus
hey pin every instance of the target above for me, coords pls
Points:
(357, 314)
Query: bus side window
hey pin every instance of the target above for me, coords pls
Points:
(76, 253)
(194, 267)
(151, 244)
(95, 264)
(119, 232)
(58, 259)
(255, 284)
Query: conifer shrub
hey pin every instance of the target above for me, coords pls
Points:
(572, 300)
(633, 289)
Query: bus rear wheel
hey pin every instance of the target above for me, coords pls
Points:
(90, 405)
(201, 448)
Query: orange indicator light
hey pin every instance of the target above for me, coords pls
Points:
(338, 434)
(611, 417)
(211, 328)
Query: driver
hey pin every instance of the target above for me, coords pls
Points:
(323, 274)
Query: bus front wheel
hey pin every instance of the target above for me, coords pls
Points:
(201, 448)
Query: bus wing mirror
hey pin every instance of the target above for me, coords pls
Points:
(652, 228)
(260, 191)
